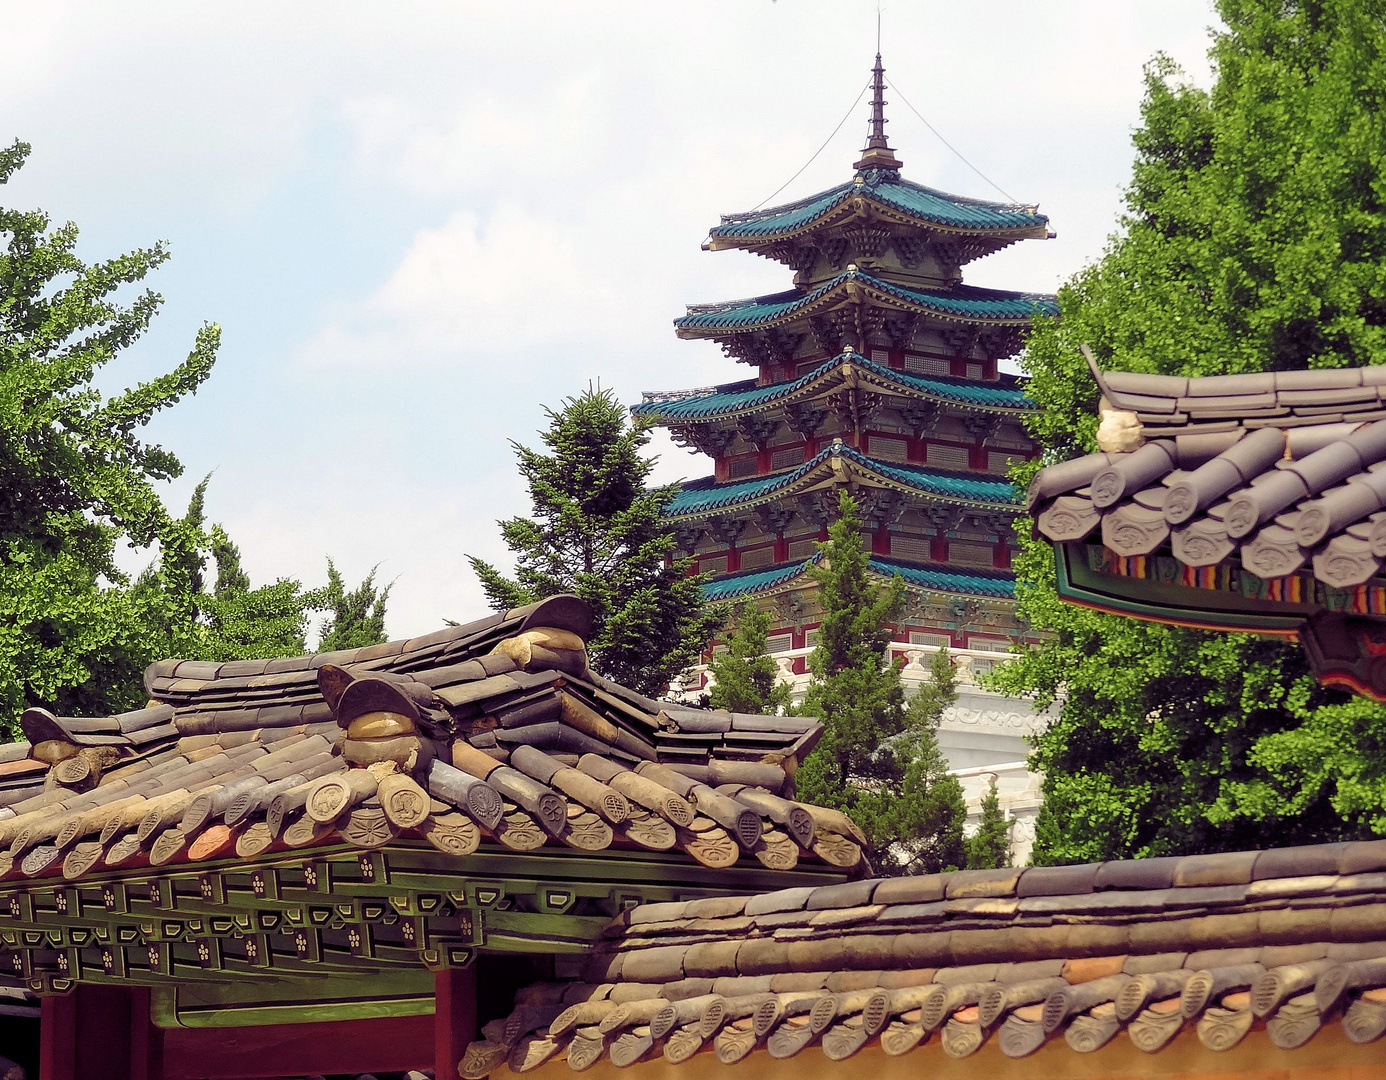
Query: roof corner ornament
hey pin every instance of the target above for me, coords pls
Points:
(877, 153)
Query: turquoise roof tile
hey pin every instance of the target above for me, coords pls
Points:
(737, 397)
(971, 582)
(927, 204)
(961, 301)
(704, 495)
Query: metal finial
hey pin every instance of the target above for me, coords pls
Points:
(877, 153)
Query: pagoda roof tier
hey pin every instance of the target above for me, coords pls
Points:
(856, 288)
(999, 584)
(1246, 502)
(840, 464)
(879, 200)
(848, 370)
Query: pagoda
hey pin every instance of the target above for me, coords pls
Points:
(876, 373)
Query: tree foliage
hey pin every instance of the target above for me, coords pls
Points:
(356, 617)
(76, 477)
(989, 848)
(878, 760)
(598, 531)
(746, 676)
(1254, 238)
(77, 480)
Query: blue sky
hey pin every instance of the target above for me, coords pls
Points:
(418, 223)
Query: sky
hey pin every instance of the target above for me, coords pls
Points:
(418, 224)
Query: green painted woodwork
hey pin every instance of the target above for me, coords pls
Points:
(297, 935)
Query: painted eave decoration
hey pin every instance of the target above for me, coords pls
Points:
(1263, 949)
(1237, 502)
(885, 199)
(992, 584)
(836, 464)
(962, 303)
(847, 371)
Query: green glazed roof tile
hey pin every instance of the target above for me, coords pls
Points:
(736, 397)
(929, 205)
(970, 582)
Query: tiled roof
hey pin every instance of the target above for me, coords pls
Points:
(964, 303)
(1269, 946)
(970, 582)
(736, 399)
(924, 205)
(704, 496)
(495, 731)
(1279, 471)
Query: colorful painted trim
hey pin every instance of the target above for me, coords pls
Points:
(734, 399)
(705, 495)
(928, 206)
(962, 302)
(999, 584)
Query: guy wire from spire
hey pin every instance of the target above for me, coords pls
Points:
(950, 146)
(811, 160)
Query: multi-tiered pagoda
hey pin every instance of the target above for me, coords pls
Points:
(877, 374)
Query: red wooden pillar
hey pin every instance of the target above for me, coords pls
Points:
(454, 1017)
(99, 1033)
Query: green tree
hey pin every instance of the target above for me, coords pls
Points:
(1254, 238)
(989, 848)
(76, 478)
(599, 532)
(878, 760)
(356, 617)
(745, 674)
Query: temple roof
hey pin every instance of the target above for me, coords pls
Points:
(970, 581)
(1246, 502)
(890, 199)
(1281, 941)
(747, 397)
(962, 303)
(494, 731)
(838, 460)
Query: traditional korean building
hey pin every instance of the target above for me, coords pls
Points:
(467, 855)
(875, 373)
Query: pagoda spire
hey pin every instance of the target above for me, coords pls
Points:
(877, 154)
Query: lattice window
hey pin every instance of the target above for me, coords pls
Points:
(811, 638)
(880, 356)
(947, 457)
(888, 449)
(1001, 463)
(715, 564)
(974, 371)
(764, 556)
(988, 644)
(940, 641)
(927, 365)
(778, 643)
(739, 470)
(803, 549)
(787, 458)
(910, 547)
(965, 554)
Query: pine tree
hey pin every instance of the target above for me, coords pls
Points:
(878, 760)
(747, 678)
(356, 617)
(1253, 240)
(989, 848)
(599, 532)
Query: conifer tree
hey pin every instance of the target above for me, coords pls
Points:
(746, 676)
(878, 760)
(1253, 240)
(356, 617)
(599, 532)
(989, 848)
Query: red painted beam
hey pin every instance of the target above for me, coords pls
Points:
(391, 1044)
(454, 1018)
